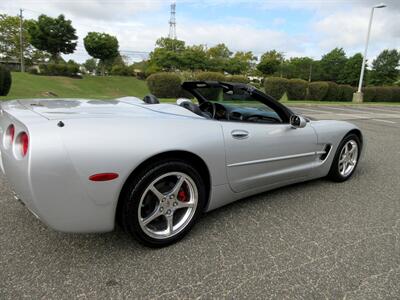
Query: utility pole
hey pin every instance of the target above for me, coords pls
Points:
(21, 40)
(310, 73)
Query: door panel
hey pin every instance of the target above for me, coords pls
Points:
(259, 155)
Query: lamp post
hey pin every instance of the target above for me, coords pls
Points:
(358, 96)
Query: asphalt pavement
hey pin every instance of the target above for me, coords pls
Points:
(313, 240)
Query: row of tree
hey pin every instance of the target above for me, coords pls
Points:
(46, 38)
(170, 55)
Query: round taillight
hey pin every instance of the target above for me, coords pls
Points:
(22, 144)
(9, 136)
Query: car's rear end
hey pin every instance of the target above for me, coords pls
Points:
(40, 171)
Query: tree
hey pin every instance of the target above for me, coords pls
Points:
(270, 62)
(218, 57)
(90, 65)
(167, 54)
(194, 58)
(102, 46)
(385, 67)
(54, 35)
(351, 70)
(298, 67)
(240, 63)
(332, 64)
(10, 45)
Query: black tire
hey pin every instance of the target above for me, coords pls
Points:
(334, 172)
(133, 191)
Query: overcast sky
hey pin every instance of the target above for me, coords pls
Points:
(297, 28)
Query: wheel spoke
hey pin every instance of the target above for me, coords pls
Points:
(182, 204)
(170, 224)
(152, 217)
(156, 192)
(178, 186)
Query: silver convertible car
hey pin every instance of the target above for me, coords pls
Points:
(154, 168)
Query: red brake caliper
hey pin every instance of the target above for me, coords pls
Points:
(182, 196)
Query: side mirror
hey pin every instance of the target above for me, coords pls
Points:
(297, 121)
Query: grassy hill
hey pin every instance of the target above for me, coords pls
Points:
(34, 86)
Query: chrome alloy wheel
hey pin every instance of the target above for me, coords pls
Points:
(167, 205)
(348, 158)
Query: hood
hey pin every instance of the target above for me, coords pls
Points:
(83, 108)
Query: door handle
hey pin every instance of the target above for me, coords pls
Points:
(240, 134)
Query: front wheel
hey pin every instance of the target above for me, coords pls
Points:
(346, 158)
(162, 204)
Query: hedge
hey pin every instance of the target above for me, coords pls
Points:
(5, 81)
(317, 90)
(296, 89)
(70, 70)
(275, 86)
(211, 76)
(164, 85)
(383, 94)
(238, 79)
(396, 94)
(369, 93)
(345, 92)
(333, 92)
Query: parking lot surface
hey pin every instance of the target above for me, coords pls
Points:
(312, 240)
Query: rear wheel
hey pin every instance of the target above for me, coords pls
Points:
(346, 158)
(163, 202)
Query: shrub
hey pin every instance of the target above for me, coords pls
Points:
(383, 94)
(345, 92)
(333, 92)
(70, 70)
(395, 94)
(317, 90)
(5, 81)
(121, 70)
(369, 93)
(165, 85)
(275, 86)
(296, 89)
(211, 76)
(238, 78)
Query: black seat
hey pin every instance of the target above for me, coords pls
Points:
(151, 99)
(194, 108)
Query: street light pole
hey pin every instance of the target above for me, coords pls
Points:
(358, 97)
(21, 41)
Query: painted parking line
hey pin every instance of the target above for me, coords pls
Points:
(309, 109)
(393, 111)
(348, 110)
(385, 121)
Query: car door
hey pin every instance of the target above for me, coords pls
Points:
(262, 155)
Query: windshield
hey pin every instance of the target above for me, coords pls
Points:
(236, 96)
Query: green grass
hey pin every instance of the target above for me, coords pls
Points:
(96, 87)
(35, 86)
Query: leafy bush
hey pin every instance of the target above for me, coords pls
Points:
(275, 86)
(395, 94)
(345, 92)
(369, 93)
(317, 90)
(211, 76)
(121, 70)
(70, 70)
(296, 89)
(333, 92)
(165, 85)
(383, 94)
(238, 78)
(5, 81)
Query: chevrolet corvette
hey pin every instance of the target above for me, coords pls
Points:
(83, 165)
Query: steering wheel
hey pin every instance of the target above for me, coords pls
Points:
(208, 107)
